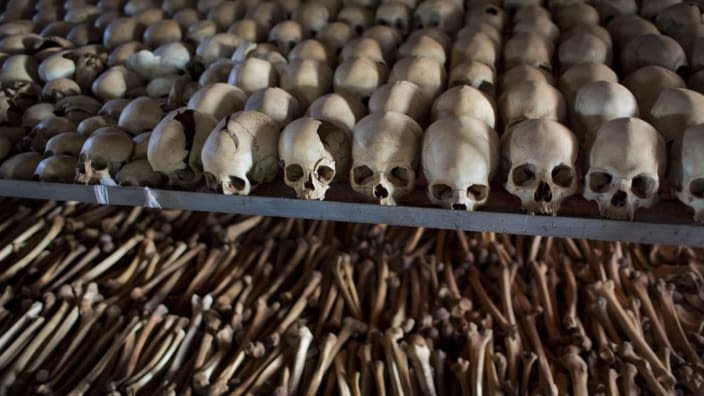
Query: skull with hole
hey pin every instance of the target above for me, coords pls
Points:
(402, 97)
(675, 110)
(278, 104)
(459, 158)
(359, 78)
(464, 101)
(530, 100)
(175, 146)
(686, 170)
(313, 153)
(385, 156)
(338, 109)
(598, 102)
(140, 173)
(540, 158)
(240, 152)
(648, 82)
(626, 164)
(20, 166)
(474, 74)
(102, 155)
(56, 169)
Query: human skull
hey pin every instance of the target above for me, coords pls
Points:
(359, 78)
(525, 73)
(649, 9)
(56, 66)
(648, 82)
(474, 74)
(654, 49)
(529, 100)
(306, 79)
(218, 100)
(583, 48)
(58, 89)
(335, 35)
(20, 67)
(253, 74)
(625, 28)
(610, 9)
(423, 45)
(530, 49)
(387, 37)
(20, 166)
(141, 114)
(338, 109)
(477, 47)
(686, 170)
(577, 76)
(363, 47)
(175, 146)
(141, 145)
(278, 104)
(45, 130)
(312, 49)
(402, 97)
(441, 14)
(312, 16)
(577, 13)
(626, 164)
(540, 156)
(102, 155)
(56, 169)
(140, 173)
(286, 35)
(679, 21)
(427, 73)
(385, 155)
(115, 83)
(313, 153)
(69, 143)
(464, 101)
(542, 25)
(240, 152)
(598, 102)
(249, 30)
(459, 158)
(121, 31)
(217, 46)
(91, 124)
(358, 17)
(486, 12)
(675, 110)
(394, 14)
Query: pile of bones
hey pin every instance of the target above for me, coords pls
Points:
(98, 300)
(599, 98)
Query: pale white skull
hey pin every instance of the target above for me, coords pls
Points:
(598, 102)
(675, 110)
(20, 166)
(175, 146)
(278, 104)
(218, 100)
(402, 97)
(477, 47)
(140, 173)
(686, 170)
(102, 155)
(253, 74)
(313, 153)
(359, 78)
(648, 82)
(540, 156)
(464, 101)
(529, 100)
(653, 49)
(459, 157)
(626, 164)
(56, 169)
(529, 49)
(338, 109)
(577, 76)
(306, 79)
(217, 46)
(385, 155)
(475, 74)
(427, 73)
(240, 152)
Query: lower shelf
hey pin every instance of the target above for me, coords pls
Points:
(668, 224)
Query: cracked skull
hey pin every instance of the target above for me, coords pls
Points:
(385, 155)
(626, 163)
(313, 153)
(102, 155)
(241, 151)
(540, 156)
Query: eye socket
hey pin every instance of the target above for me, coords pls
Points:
(696, 187)
(293, 173)
(325, 173)
(238, 183)
(400, 24)
(643, 186)
(291, 44)
(562, 175)
(492, 11)
(362, 174)
(98, 164)
(599, 182)
(211, 181)
(400, 177)
(126, 184)
(523, 175)
(441, 192)
(478, 192)
(382, 22)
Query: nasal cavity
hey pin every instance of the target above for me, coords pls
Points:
(619, 199)
(459, 206)
(309, 183)
(543, 193)
(380, 191)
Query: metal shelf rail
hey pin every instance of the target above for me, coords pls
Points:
(672, 231)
